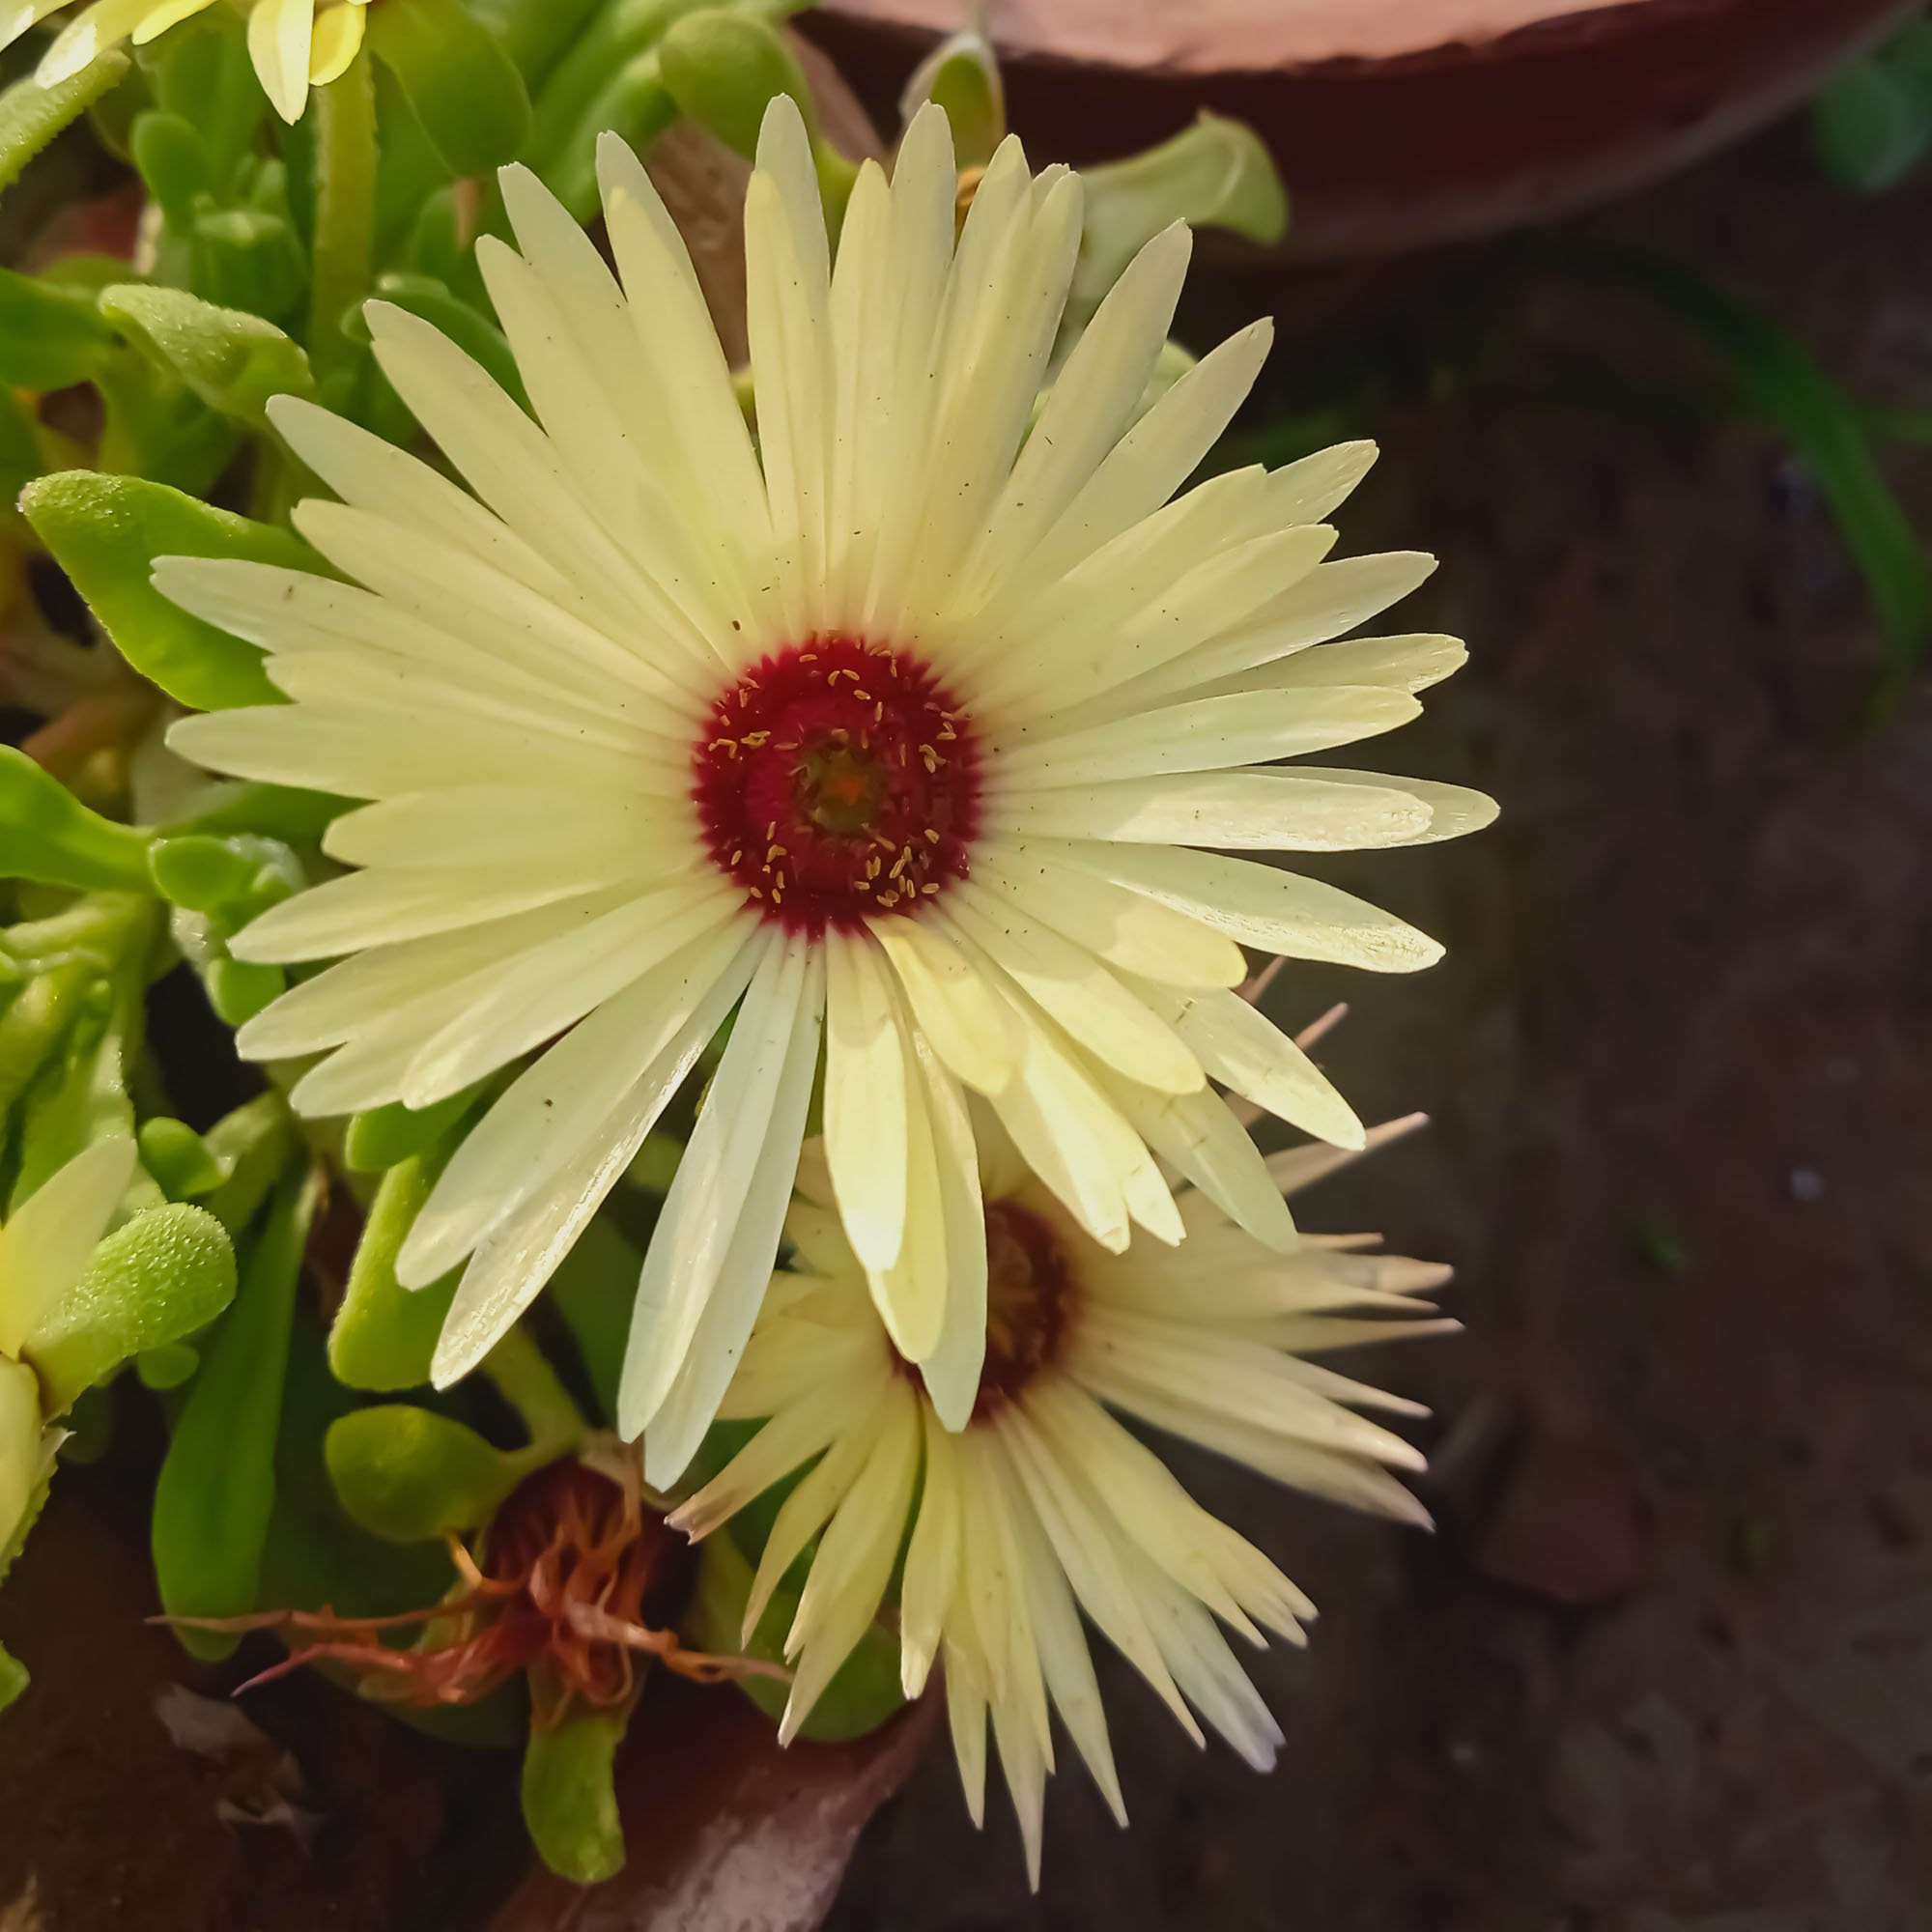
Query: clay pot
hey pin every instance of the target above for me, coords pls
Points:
(1396, 122)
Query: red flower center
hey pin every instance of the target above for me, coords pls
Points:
(836, 780)
(1030, 1291)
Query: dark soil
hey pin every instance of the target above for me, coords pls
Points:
(1668, 1666)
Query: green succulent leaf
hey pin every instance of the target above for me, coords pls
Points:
(32, 115)
(167, 1367)
(13, 1677)
(465, 88)
(250, 1147)
(35, 1022)
(217, 1490)
(962, 75)
(251, 259)
(168, 1272)
(408, 1474)
(48, 836)
(271, 811)
(384, 1136)
(1872, 123)
(593, 1289)
(178, 1159)
(50, 334)
(174, 163)
(1214, 174)
(106, 531)
(385, 1334)
(724, 69)
(82, 1096)
(570, 1799)
(233, 360)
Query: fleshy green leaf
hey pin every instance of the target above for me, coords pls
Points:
(962, 75)
(35, 1018)
(13, 1677)
(272, 812)
(167, 1367)
(233, 361)
(217, 1490)
(82, 1096)
(165, 1274)
(408, 1474)
(50, 334)
(251, 259)
(178, 1159)
(385, 1334)
(1215, 174)
(595, 1289)
(106, 531)
(724, 69)
(47, 835)
(174, 163)
(238, 989)
(383, 1136)
(570, 1802)
(465, 88)
(250, 1147)
(1872, 123)
(32, 115)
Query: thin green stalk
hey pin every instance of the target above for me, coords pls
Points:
(345, 210)
(528, 1383)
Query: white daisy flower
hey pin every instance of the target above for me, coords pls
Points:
(1045, 1500)
(294, 45)
(894, 726)
(43, 1249)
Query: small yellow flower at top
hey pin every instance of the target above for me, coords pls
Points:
(294, 44)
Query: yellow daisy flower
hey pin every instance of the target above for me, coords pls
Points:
(894, 728)
(43, 1250)
(294, 44)
(1045, 1500)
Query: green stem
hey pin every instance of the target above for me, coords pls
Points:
(528, 1383)
(345, 209)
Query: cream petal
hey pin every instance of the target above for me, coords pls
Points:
(644, 1041)
(678, 1425)
(1157, 455)
(697, 1226)
(1244, 1050)
(855, 1558)
(555, 985)
(1087, 410)
(45, 1246)
(951, 1370)
(280, 34)
(1259, 905)
(932, 1563)
(1070, 986)
(87, 35)
(1210, 734)
(1128, 930)
(1298, 810)
(866, 1080)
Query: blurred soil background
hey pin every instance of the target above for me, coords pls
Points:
(1668, 1665)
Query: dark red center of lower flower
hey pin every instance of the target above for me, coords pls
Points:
(1029, 1302)
(835, 779)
